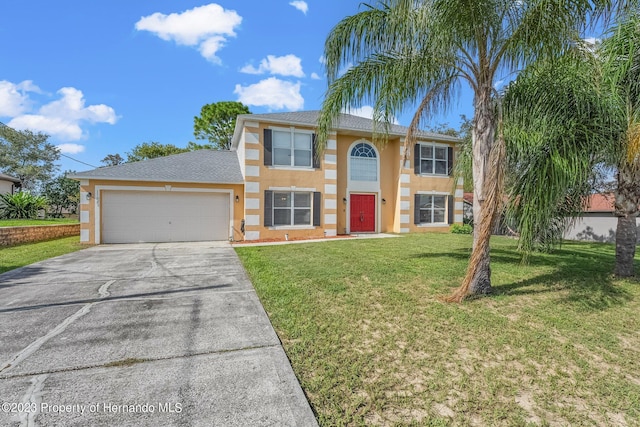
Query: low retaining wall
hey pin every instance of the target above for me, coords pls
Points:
(36, 233)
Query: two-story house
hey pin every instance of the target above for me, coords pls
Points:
(276, 184)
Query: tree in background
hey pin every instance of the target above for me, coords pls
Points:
(62, 194)
(408, 52)
(216, 124)
(145, 151)
(620, 53)
(567, 122)
(151, 150)
(557, 128)
(27, 156)
(112, 160)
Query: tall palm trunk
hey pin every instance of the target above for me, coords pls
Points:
(627, 197)
(488, 155)
(483, 135)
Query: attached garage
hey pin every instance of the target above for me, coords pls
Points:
(154, 216)
(187, 197)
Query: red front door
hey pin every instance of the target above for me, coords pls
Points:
(363, 213)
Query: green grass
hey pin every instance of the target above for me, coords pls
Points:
(26, 222)
(12, 257)
(372, 344)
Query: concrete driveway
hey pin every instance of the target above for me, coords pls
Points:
(142, 335)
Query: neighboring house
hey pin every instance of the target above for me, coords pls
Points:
(274, 184)
(8, 184)
(597, 223)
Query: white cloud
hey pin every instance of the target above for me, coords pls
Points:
(206, 27)
(365, 111)
(210, 47)
(592, 40)
(273, 93)
(63, 117)
(322, 59)
(14, 98)
(287, 65)
(70, 148)
(29, 86)
(66, 130)
(302, 6)
(315, 76)
(71, 106)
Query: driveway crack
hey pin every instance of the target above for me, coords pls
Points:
(35, 345)
(135, 361)
(33, 396)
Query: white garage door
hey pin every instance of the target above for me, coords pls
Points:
(150, 216)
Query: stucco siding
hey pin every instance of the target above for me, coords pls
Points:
(595, 227)
(394, 190)
(277, 178)
(6, 187)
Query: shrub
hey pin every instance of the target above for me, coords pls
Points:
(21, 205)
(461, 229)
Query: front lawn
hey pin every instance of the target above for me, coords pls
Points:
(372, 344)
(12, 257)
(27, 222)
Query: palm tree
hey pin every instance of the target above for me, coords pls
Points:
(557, 125)
(419, 52)
(567, 116)
(620, 53)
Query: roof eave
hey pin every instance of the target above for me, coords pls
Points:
(10, 179)
(243, 117)
(182, 181)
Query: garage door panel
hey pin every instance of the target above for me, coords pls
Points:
(149, 216)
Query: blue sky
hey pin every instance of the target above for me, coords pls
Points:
(102, 76)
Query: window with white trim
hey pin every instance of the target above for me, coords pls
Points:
(363, 163)
(432, 209)
(434, 159)
(291, 208)
(292, 148)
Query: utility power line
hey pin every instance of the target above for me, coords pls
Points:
(76, 160)
(63, 155)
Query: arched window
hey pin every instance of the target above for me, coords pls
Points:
(364, 163)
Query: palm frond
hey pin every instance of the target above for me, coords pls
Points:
(557, 128)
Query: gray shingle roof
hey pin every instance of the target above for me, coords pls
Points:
(346, 122)
(201, 166)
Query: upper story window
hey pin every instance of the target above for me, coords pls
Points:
(363, 163)
(289, 147)
(433, 159)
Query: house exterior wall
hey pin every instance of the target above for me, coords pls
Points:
(394, 193)
(386, 187)
(421, 184)
(259, 178)
(242, 156)
(6, 187)
(90, 206)
(595, 227)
